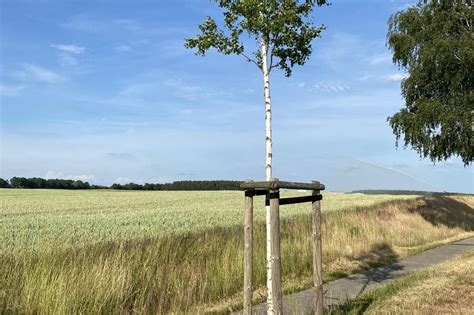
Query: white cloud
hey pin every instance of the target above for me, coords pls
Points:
(85, 23)
(32, 72)
(67, 60)
(249, 91)
(331, 87)
(369, 101)
(395, 77)
(185, 111)
(61, 175)
(83, 177)
(71, 49)
(191, 92)
(381, 58)
(122, 180)
(403, 4)
(11, 90)
(184, 90)
(122, 48)
(341, 49)
(67, 54)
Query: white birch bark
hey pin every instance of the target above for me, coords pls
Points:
(268, 165)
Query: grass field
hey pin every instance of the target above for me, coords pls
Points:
(444, 289)
(129, 251)
(45, 219)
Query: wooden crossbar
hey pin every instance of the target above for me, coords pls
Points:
(252, 193)
(277, 184)
(293, 200)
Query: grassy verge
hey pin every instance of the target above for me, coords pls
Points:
(444, 289)
(202, 271)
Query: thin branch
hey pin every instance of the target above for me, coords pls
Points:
(271, 59)
(456, 55)
(274, 66)
(271, 52)
(250, 60)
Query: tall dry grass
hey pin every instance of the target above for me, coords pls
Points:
(203, 271)
(447, 288)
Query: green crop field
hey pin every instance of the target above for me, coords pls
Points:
(105, 251)
(44, 219)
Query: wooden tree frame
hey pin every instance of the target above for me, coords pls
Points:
(271, 189)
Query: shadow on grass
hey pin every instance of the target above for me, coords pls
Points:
(443, 210)
(381, 258)
(358, 306)
(378, 255)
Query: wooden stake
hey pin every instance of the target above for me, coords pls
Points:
(275, 252)
(317, 256)
(248, 231)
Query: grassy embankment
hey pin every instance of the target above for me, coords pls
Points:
(443, 289)
(115, 251)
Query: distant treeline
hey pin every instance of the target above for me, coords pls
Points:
(41, 183)
(184, 185)
(36, 182)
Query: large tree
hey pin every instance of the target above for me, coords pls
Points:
(283, 30)
(434, 42)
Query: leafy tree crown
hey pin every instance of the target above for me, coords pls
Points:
(434, 42)
(285, 25)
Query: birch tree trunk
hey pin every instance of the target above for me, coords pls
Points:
(268, 165)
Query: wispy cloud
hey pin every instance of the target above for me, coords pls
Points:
(11, 90)
(120, 156)
(69, 48)
(365, 77)
(122, 48)
(381, 58)
(403, 4)
(92, 24)
(341, 48)
(191, 92)
(67, 60)
(32, 72)
(85, 23)
(184, 90)
(331, 87)
(394, 77)
(248, 91)
(61, 175)
(67, 54)
(386, 168)
(122, 180)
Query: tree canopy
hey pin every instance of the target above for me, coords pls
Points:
(284, 24)
(41, 183)
(434, 42)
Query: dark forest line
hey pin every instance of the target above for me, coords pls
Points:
(41, 183)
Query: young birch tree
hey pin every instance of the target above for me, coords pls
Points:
(283, 30)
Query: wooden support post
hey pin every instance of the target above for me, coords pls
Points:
(272, 203)
(317, 256)
(275, 252)
(248, 231)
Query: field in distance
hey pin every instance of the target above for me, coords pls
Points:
(105, 251)
(44, 219)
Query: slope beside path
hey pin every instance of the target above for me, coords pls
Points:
(342, 290)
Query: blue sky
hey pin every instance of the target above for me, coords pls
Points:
(104, 91)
